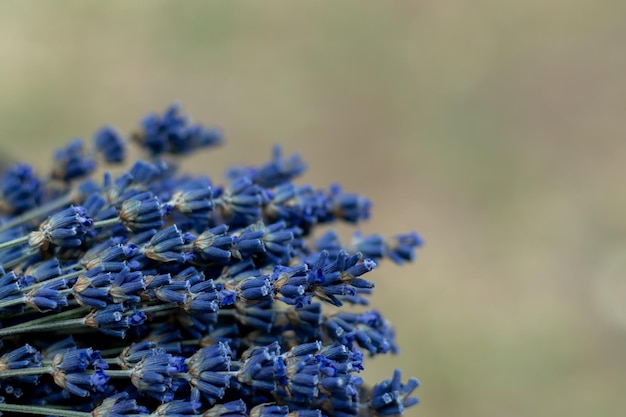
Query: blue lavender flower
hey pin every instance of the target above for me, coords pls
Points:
(109, 255)
(153, 375)
(235, 408)
(68, 228)
(278, 171)
(47, 297)
(391, 397)
(269, 410)
(92, 288)
(173, 133)
(167, 246)
(208, 372)
(203, 298)
(214, 245)
(24, 357)
(110, 144)
(127, 286)
(68, 371)
(178, 409)
(195, 201)
(349, 207)
(9, 284)
(143, 212)
(21, 189)
(119, 405)
(184, 297)
(44, 270)
(241, 201)
(131, 183)
(114, 319)
(262, 368)
(72, 162)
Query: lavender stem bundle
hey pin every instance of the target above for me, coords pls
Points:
(152, 293)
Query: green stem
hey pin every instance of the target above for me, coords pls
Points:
(13, 302)
(79, 311)
(106, 223)
(42, 327)
(158, 308)
(47, 411)
(15, 242)
(228, 312)
(111, 361)
(37, 212)
(118, 373)
(7, 373)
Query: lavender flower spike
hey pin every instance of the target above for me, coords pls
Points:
(68, 228)
(184, 296)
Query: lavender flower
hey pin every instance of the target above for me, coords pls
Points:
(21, 189)
(184, 297)
(72, 162)
(110, 144)
(68, 228)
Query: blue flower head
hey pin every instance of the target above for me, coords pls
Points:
(110, 144)
(21, 189)
(173, 133)
(186, 297)
(68, 228)
(391, 397)
(153, 375)
(141, 213)
(69, 371)
(72, 162)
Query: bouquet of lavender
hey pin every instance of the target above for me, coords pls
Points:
(151, 293)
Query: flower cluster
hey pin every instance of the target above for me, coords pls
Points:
(153, 293)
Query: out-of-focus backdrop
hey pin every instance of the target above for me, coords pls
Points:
(494, 128)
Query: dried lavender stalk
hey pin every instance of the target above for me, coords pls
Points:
(153, 293)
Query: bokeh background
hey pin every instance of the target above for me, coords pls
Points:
(494, 128)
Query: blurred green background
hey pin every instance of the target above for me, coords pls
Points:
(494, 128)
